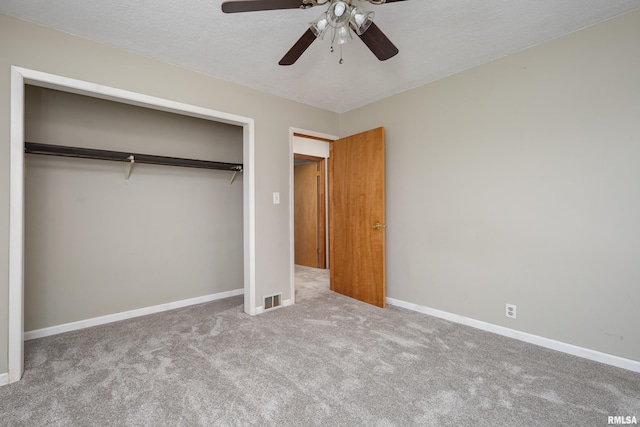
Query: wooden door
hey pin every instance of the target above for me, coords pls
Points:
(305, 214)
(357, 217)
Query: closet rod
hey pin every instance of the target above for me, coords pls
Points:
(91, 153)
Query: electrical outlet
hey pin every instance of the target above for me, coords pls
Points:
(511, 311)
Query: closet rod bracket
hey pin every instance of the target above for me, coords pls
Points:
(233, 177)
(132, 160)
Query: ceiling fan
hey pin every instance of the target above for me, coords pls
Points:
(340, 18)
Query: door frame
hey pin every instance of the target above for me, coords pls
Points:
(322, 214)
(293, 132)
(22, 76)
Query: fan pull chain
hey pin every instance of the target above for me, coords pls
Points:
(333, 39)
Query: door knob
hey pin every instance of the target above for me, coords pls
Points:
(378, 226)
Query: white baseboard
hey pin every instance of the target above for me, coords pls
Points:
(4, 379)
(609, 359)
(73, 326)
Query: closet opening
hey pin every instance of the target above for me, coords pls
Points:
(151, 224)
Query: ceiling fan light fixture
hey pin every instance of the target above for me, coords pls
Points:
(361, 20)
(340, 18)
(319, 26)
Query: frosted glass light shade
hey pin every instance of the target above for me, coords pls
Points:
(342, 35)
(319, 26)
(338, 13)
(361, 20)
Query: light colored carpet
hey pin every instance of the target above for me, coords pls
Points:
(329, 360)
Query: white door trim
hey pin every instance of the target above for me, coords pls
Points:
(292, 266)
(20, 77)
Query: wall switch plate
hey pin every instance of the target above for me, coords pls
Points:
(276, 198)
(511, 311)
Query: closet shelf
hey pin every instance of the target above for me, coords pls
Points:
(121, 156)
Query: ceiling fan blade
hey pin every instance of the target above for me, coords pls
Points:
(298, 49)
(378, 43)
(256, 5)
(391, 1)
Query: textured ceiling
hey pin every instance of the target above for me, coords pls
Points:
(436, 38)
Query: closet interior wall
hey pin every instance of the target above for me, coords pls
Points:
(96, 244)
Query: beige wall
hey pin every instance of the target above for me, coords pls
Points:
(518, 182)
(96, 244)
(31, 46)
